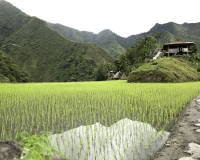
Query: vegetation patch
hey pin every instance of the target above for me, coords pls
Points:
(165, 70)
(10, 71)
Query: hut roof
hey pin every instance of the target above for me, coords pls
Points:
(177, 42)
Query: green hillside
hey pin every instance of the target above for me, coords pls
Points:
(46, 55)
(189, 32)
(171, 32)
(116, 45)
(165, 70)
(106, 39)
(11, 19)
(11, 72)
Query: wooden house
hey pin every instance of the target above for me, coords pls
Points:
(177, 48)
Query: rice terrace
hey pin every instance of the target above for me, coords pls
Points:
(69, 94)
(106, 109)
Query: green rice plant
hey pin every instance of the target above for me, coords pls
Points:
(58, 107)
(38, 146)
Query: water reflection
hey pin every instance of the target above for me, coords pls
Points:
(124, 140)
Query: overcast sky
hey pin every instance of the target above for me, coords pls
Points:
(123, 17)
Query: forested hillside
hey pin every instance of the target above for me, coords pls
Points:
(11, 72)
(189, 32)
(11, 19)
(116, 45)
(106, 39)
(45, 54)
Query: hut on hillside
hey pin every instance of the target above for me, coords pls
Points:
(174, 49)
(177, 48)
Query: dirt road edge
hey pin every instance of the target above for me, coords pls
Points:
(183, 133)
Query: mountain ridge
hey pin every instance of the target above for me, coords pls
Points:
(117, 45)
(104, 38)
(45, 54)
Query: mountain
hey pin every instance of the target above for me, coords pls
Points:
(11, 20)
(189, 32)
(106, 39)
(43, 53)
(116, 45)
(182, 32)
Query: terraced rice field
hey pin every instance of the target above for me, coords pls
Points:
(61, 107)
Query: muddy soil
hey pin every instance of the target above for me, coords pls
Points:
(183, 133)
(9, 150)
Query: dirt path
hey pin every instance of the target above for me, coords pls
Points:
(183, 133)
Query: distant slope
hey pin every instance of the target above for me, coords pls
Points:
(116, 45)
(165, 70)
(106, 39)
(11, 19)
(10, 71)
(173, 32)
(46, 55)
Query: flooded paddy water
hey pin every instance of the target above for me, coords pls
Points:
(124, 140)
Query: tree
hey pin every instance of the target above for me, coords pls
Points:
(102, 71)
(193, 48)
(177, 39)
(136, 55)
(145, 48)
(124, 64)
(157, 36)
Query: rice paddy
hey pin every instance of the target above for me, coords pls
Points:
(61, 107)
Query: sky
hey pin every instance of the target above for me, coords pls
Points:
(123, 17)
